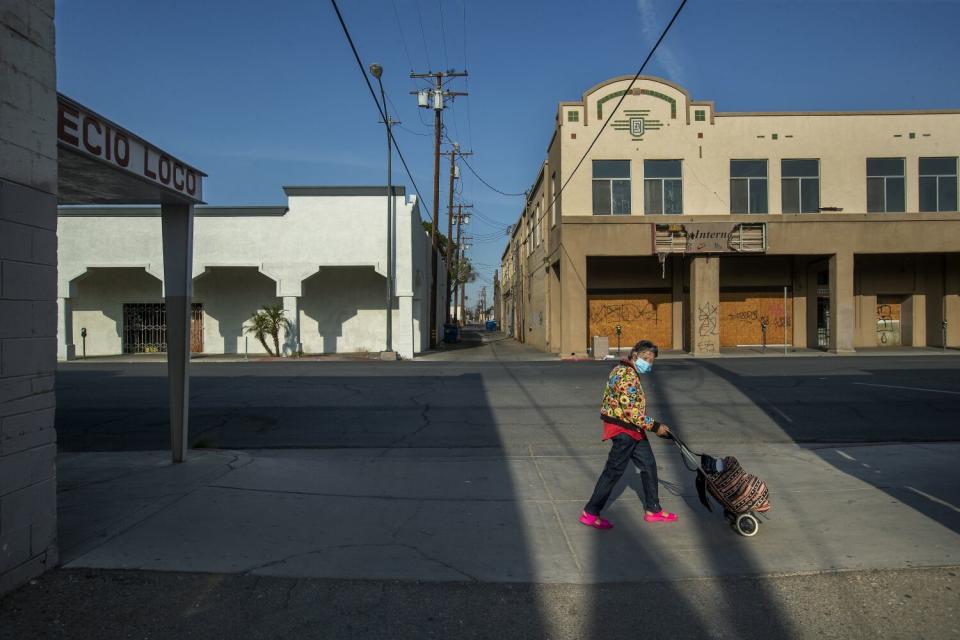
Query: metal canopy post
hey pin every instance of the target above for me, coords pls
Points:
(177, 221)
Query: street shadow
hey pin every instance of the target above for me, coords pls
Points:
(909, 405)
(378, 471)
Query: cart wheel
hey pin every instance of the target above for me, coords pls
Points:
(747, 525)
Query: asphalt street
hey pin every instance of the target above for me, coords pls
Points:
(508, 404)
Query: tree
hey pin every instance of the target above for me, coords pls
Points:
(268, 320)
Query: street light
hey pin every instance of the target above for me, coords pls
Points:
(377, 71)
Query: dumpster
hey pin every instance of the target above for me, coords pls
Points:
(491, 325)
(451, 333)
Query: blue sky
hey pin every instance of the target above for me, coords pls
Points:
(260, 95)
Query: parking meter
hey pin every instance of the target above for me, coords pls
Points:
(619, 330)
(83, 336)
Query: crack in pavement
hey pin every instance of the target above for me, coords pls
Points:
(369, 545)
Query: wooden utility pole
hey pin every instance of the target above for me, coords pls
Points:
(434, 99)
(457, 261)
(451, 288)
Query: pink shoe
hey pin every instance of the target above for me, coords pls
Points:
(663, 516)
(595, 521)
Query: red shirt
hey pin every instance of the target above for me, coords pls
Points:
(610, 430)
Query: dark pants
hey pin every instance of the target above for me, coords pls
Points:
(624, 449)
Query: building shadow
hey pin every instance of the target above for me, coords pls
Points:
(341, 311)
(911, 405)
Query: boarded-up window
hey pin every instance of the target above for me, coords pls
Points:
(742, 315)
(888, 321)
(642, 316)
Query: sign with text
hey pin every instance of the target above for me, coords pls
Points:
(711, 237)
(93, 135)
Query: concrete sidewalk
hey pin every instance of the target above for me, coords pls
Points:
(478, 515)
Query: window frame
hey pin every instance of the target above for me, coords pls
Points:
(800, 180)
(573, 115)
(553, 199)
(938, 176)
(628, 180)
(663, 192)
(699, 115)
(748, 180)
(885, 178)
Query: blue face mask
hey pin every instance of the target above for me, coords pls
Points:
(643, 366)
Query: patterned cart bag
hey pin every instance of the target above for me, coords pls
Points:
(738, 490)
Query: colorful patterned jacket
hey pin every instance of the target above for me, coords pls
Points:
(623, 401)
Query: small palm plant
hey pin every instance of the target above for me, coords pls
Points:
(268, 321)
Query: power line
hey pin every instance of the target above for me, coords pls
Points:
(613, 111)
(423, 36)
(490, 186)
(373, 95)
(403, 38)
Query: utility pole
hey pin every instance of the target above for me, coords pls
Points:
(458, 259)
(388, 354)
(453, 176)
(434, 99)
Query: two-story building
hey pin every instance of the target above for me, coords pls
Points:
(705, 230)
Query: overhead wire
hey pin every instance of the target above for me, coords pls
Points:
(373, 94)
(613, 111)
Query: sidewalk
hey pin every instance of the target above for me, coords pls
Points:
(482, 516)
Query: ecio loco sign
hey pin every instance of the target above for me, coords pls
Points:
(93, 135)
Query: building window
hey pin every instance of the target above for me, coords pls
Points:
(553, 202)
(748, 186)
(662, 187)
(573, 116)
(800, 186)
(537, 229)
(885, 185)
(611, 187)
(700, 115)
(938, 184)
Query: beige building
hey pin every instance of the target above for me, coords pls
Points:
(705, 230)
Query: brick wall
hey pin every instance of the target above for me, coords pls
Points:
(28, 303)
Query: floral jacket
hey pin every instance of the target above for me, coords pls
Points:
(623, 401)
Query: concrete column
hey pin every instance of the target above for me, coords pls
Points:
(573, 279)
(799, 310)
(913, 321)
(951, 299)
(705, 305)
(841, 303)
(66, 350)
(177, 224)
(291, 339)
(676, 271)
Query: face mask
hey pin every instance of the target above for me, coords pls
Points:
(643, 366)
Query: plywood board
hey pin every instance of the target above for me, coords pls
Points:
(646, 316)
(888, 321)
(741, 314)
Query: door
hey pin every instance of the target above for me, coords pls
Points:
(196, 328)
(145, 328)
(888, 320)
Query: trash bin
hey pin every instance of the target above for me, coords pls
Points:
(491, 325)
(451, 333)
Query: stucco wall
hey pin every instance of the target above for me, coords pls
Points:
(247, 257)
(98, 306)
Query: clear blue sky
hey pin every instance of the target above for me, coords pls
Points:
(260, 94)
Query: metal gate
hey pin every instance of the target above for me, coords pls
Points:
(145, 328)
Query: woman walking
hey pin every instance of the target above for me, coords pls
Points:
(626, 424)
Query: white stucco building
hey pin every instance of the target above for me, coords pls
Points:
(323, 256)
